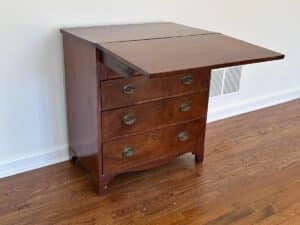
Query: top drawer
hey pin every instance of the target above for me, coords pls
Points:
(140, 89)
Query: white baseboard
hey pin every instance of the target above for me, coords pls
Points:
(238, 108)
(57, 155)
(60, 154)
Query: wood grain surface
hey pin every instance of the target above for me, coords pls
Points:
(150, 89)
(157, 48)
(132, 32)
(82, 103)
(151, 146)
(153, 115)
(189, 52)
(250, 176)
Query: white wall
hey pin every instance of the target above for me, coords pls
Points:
(32, 104)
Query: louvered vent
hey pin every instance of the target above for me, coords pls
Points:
(225, 81)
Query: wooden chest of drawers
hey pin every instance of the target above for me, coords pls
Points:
(137, 95)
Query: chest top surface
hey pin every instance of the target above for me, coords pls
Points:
(154, 48)
(132, 32)
(189, 52)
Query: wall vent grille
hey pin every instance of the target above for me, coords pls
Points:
(225, 81)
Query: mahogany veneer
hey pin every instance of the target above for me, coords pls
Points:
(154, 114)
(153, 145)
(151, 89)
(137, 95)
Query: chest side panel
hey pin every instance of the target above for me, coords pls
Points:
(82, 102)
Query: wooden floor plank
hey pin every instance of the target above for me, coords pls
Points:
(250, 176)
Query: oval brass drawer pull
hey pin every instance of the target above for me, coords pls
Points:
(186, 106)
(187, 80)
(128, 89)
(183, 136)
(129, 119)
(128, 152)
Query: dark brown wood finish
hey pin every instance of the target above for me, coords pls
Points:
(118, 66)
(190, 52)
(104, 72)
(132, 32)
(153, 115)
(146, 89)
(107, 112)
(151, 146)
(82, 103)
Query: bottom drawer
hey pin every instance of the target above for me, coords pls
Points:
(129, 153)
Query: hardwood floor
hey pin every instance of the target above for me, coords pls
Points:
(250, 176)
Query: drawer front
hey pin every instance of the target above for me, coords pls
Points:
(140, 89)
(129, 153)
(148, 116)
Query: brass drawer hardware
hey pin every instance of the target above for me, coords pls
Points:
(129, 119)
(183, 136)
(186, 106)
(128, 89)
(128, 152)
(187, 80)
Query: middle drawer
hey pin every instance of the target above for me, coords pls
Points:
(144, 117)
